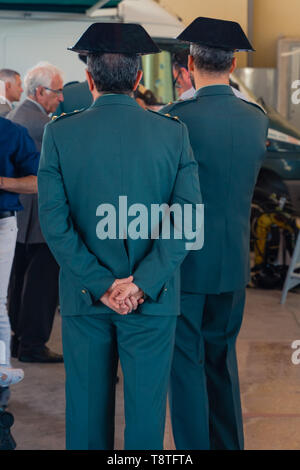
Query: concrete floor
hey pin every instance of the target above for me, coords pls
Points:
(270, 384)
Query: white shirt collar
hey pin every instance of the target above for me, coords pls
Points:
(4, 100)
(188, 94)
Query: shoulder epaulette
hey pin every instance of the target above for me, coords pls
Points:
(63, 115)
(180, 103)
(167, 115)
(258, 106)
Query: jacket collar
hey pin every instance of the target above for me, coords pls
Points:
(35, 105)
(4, 100)
(214, 90)
(110, 99)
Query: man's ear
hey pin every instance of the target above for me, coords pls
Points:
(191, 63)
(185, 73)
(90, 81)
(138, 79)
(7, 87)
(39, 91)
(233, 65)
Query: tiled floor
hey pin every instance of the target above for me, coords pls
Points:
(270, 383)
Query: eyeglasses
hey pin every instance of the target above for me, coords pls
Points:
(175, 84)
(57, 92)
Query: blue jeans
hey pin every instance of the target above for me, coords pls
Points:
(8, 236)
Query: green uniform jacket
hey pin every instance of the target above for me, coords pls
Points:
(228, 137)
(76, 96)
(114, 148)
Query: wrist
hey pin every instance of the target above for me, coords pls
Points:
(1, 182)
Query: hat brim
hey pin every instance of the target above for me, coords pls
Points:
(218, 34)
(214, 46)
(106, 51)
(115, 38)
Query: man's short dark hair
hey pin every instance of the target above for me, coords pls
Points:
(180, 59)
(8, 74)
(113, 72)
(147, 96)
(210, 59)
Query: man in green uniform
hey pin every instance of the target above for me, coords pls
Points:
(228, 138)
(77, 95)
(100, 167)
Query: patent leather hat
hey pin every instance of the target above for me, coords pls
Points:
(219, 34)
(115, 38)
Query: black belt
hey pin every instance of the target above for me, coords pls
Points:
(5, 214)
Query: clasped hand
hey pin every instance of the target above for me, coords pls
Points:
(123, 296)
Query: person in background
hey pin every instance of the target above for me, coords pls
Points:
(76, 95)
(8, 375)
(228, 136)
(19, 161)
(182, 80)
(10, 90)
(33, 292)
(146, 98)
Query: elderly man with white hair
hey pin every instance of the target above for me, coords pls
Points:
(33, 292)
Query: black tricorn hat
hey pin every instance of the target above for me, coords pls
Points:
(83, 58)
(219, 34)
(115, 38)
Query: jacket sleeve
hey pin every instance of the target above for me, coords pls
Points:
(88, 275)
(26, 157)
(154, 271)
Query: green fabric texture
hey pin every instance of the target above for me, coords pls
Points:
(94, 157)
(76, 96)
(92, 346)
(228, 136)
(204, 392)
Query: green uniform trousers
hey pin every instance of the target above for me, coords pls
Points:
(204, 392)
(92, 345)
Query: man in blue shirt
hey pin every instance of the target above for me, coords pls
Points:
(19, 161)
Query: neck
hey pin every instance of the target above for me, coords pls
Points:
(33, 98)
(97, 94)
(207, 79)
(185, 88)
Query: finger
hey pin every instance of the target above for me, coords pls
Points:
(129, 304)
(123, 294)
(113, 302)
(141, 301)
(122, 281)
(134, 302)
(123, 310)
(116, 292)
(125, 280)
(124, 307)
